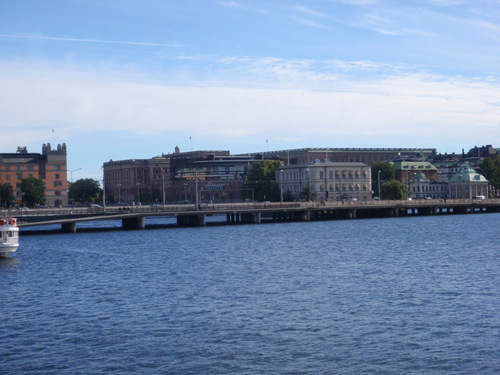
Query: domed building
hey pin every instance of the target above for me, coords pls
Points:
(468, 184)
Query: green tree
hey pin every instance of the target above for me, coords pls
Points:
(7, 197)
(288, 196)
(388, 173)
(393, 190)
(85, 190)
(490, 169)
(262, 179)
(307, 193)
(33, 190)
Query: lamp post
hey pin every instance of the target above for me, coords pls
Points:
(138, 192)
(119, 193)
(163, 185)
(281, 185)
(103, 189)
(71, 172)
(379, 172)
(308, 184)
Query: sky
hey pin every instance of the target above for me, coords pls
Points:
(133, 79)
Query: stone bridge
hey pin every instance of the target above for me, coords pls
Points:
(133, 217)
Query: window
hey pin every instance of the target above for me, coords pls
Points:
(19, 168)
(19, 176)
(58, 176)
(57, 183)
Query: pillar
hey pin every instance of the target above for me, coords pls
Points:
(134, 222)
(69, 227)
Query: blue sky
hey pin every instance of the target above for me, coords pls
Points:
(120, 79)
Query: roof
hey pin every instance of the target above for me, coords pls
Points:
(325, 164)
(468, 175)
(413, 165)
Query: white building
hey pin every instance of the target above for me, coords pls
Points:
(422, 187)
(328, 181)
(468, 184)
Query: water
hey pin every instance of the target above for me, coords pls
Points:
(387, 296)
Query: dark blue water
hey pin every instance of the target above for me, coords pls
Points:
(388, 296)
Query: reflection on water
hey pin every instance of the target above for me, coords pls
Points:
(9, 263)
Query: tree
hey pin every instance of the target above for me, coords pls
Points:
(490, 169)
(307, 193)
(393, 190)
(388, 173)
(288, 196)
(262, 180)
(7, 197)
(85, 190)
(33, 190)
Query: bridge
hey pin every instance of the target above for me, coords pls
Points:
(133, 217)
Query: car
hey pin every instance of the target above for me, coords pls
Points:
(94, 205)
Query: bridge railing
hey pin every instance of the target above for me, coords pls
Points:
(173, 208)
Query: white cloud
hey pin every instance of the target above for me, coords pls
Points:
(444, 3)
(307, 22)
(407, 106)
(356, 2)
(85, 40)
(310, 12)
(238, 5)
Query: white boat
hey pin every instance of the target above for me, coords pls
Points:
(9, 236)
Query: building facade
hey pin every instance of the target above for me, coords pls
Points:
(421, 186)
(194, 177)
(345, 155)
(326, 181)
(135, 180)
(49, 166)
(468, 184)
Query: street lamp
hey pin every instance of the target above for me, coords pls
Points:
(379, 172)
(138, 193)
(163, 185)
(103, 189)
(281, 185)
(308, 185)
(73, 170)
(119, 193)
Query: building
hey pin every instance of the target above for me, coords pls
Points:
(468, 184)
(407, 170)
(196, 176)
(328, 181)
(421, 186)
(346, 155)
(49, 166)
(218, 176)
(136, 180)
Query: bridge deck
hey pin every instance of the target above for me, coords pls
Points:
(44, 216)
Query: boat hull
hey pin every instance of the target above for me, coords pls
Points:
(6, 250)
(9, 236)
